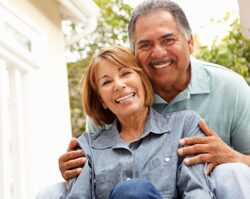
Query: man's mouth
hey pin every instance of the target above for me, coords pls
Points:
(124, 98)
(162, 63)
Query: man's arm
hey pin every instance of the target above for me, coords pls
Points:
(211, 149)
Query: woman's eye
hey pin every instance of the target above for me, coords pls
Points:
(106, 82)
(125, 73)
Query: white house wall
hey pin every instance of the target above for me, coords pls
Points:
(45, 101)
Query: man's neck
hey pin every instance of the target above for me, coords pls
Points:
(168, 92)
(167, 95)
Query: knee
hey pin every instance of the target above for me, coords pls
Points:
(52, 191)
(224, 171)
(232, 180)
(135, 189)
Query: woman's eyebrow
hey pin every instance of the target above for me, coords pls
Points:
(102, 77)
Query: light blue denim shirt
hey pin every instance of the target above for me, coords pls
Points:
(153, 156)
(220, 96)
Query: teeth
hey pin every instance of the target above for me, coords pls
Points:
(160, 64)
(120, 100)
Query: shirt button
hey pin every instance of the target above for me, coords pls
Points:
(167, 159)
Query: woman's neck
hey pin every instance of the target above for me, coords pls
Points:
(132, 127)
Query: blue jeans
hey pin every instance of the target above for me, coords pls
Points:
(135, 189)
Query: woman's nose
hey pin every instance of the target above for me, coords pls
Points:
(119, 84)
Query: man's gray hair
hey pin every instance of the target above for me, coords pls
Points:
(165, 5)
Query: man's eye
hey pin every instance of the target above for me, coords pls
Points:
(168, 41)
(144, 46)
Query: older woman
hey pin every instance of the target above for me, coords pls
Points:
(140, 143)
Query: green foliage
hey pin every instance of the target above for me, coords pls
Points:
(233, 51)
(111, 29)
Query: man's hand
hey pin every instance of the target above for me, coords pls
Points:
(210, 149)
(71, 163)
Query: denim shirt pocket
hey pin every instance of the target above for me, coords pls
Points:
(105, 181)
(161, 171)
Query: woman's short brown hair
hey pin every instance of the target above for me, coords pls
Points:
(91, 100)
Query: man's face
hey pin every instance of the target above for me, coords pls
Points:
(162, 50)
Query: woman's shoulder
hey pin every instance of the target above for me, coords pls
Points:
(185, 114)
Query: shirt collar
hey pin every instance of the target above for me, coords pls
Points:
(200, 81)
(155, 123)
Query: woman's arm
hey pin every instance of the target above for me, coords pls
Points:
(193, 183)
(81, 186)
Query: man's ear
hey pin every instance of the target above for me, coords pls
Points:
(191, 44)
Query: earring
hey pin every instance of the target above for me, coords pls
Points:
(104, 106)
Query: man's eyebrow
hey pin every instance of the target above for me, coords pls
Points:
(143, 41)
(167, 35)
(162, 37)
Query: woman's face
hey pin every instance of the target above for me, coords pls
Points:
(120, 88)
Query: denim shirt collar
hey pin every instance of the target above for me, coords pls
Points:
(155, 123)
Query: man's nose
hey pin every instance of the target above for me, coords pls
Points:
(158, 52)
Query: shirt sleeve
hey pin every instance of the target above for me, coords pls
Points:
(191, 180)
(240, 134)
(193, 183)
(81, 187)
(92, 127)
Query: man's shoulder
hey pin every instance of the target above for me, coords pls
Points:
(219, 76)
(216, 70)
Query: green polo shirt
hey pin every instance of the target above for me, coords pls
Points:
(221, 97)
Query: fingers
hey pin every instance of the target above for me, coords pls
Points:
(193, 140)
(72, 168)
(72, 144)
(71, 173)
(209, 167)
(205, 129)
(70, 156)
(198, 159)
(192, 150)
(69, 161)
